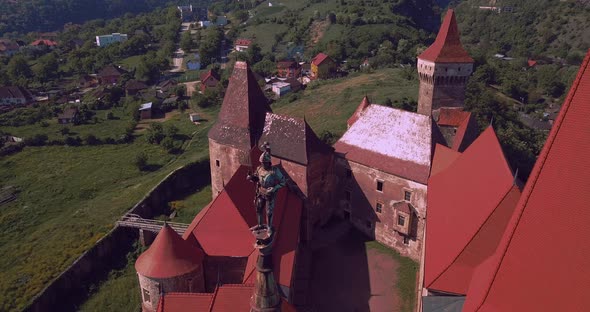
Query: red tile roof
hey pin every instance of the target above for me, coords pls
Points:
(226, 298)
(469, 205)
(243, 42)
(169, 256)
(443, 158)
(46, 42)
(209, 74)
(359, 111)
(452, 116)
(177, 302)
(466, 133)
(287, 64)
(531, 62)
(319, 59)
(241, 119)
(222, 229)
(541, 263)
(447, 47)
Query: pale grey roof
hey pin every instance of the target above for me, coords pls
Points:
(145, 106)
(392, 132)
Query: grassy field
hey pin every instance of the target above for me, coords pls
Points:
(329, 104)
(102, 129)
(407, 274)
(71, 196)
(264, 34)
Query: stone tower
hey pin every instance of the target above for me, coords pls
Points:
(238, 127)
(171, 264)
(443, 70)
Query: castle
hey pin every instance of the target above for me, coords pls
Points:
(388, 169)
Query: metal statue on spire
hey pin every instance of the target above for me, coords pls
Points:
(269, 180)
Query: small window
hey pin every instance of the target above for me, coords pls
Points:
(347, 195)
(407, 195)
(146, 295)
(217, 163)
(380, 186)
(348, 173)
(406, 241)
(369, 224)
(379, 207)
(401, 220)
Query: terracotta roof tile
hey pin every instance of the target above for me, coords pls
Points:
(243, 111)
(319, 59)
(466, 133)
(452, 116)
(443, 158)
(469, 205)
(169, 256)
(359, 111)
(447, 47)
(180, 302)
(542, 261)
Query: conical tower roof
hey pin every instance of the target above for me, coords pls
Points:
(244, 108)
(169, 256)
(447, 47)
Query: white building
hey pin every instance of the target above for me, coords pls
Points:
(105, 40)
(280, 88)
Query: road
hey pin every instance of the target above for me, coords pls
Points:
(178, 56)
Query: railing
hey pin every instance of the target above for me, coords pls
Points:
(135, 221)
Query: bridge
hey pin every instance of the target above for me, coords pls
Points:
(154, 226)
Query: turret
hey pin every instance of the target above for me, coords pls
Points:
(171, 264)
(443, 70)
(238, 127)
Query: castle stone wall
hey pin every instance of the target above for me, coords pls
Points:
(152, 288)
(225, 161)
(441, 85)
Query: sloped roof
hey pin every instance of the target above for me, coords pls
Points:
(169, 256)
(542, 261)
(46, 42)
(209, 74)
(452, 116)
(8, 45)
(223, 228)
(287, 64)
(243, 42)
(68, 113)
(466, 133)
(291, 138)
(359, 111)
(392, 140)
(447, 47)
(469, 205)
(15, 92)
(243, 111)
(111, 70)
(135, 85)
(319, 59)
(443, 158)
(226, 298)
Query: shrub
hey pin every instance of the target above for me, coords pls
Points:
(141, 161)
(110, 116)
(155, 133)
(168, 143)
(90, 139)
(36, 140)
(65, 131)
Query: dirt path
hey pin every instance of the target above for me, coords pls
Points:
(348, 277)
(317, 30)
(191, 87)
(144, 124)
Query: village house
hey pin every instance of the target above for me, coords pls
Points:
(41, 43)
(323, 66)
(288, 69)
(105, 40)
(87, 81)
(13, 96)
(133, 87)
(209, 80)
(242, 44)
(145, 111)
(69, 115)
(8, 47)
(280, 88)
(110, 75)
(167, 86)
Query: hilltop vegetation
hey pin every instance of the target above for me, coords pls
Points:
(35, 15)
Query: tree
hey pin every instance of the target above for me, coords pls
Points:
(65, 131)
(254, 53)
(155, 133)
(171, 131)
(186, 41)
(18, 68)
(46, 67)
(140, 161)
(168, 144)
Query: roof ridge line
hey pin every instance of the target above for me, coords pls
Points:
(476, 232)
(528, 190)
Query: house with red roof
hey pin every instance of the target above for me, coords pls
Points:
(323, 66)
(39, 43)
(242, 44)
(209, 80)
